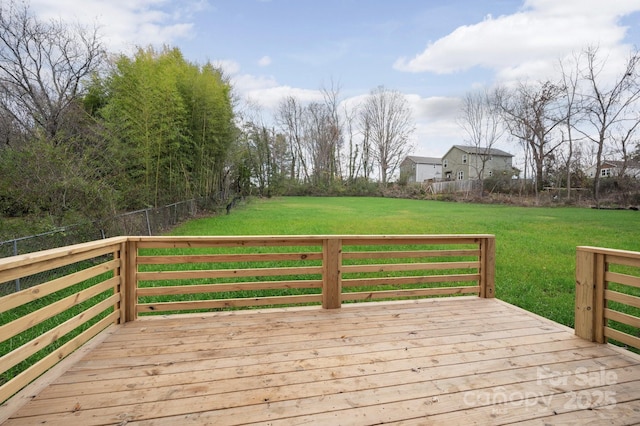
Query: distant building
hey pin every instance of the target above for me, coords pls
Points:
(421, 169)
(612, 168)
(468, 162)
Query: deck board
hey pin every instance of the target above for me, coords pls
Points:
(433, 361)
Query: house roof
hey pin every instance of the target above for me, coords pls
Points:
(424, 160)
(617, 163)
(481, 150)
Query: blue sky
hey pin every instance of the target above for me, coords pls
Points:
(433, 51)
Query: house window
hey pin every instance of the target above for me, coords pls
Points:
(445, 163)
(605, 172)
(464, 159)
(460, 175)
(490, 173)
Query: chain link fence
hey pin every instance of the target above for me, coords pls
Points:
(153, 221)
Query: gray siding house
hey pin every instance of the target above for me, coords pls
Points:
(471, 163)
(421, 169)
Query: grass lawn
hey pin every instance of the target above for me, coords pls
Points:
(535, 263)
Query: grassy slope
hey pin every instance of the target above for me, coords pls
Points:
(535, 246)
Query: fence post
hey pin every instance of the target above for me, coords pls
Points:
(146, 215)
(131, 282)
(585, 286)
(331, 273)
(15, 253)
(488, 267)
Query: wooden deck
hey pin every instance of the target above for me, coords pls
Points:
(462, 360)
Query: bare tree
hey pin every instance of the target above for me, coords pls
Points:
(42, 66)
(532, 114)
(353, 167)
(335, 126)
(480, 118)
(291, 120)
(610, 106)
(367, 156)
(386, 121)
(319, 133)
(570, 84)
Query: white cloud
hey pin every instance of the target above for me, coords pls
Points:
(125, 24)
(229, 66)
(246, 83)
(434, 108)
(269, 98)
(264, 61)
(543, 30)
(436, 129)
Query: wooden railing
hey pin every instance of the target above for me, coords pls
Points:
(234, 272)
(93, 285)
(608, 290)
(43, 324)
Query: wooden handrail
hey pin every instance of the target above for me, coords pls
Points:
(597, 285)
(378, 267)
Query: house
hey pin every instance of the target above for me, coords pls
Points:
(612, 168)
(471, 163)
(420, 169)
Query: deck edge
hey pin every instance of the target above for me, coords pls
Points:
(17, 401)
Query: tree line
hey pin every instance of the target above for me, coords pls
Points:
(86, 133)
(328, 146)
(588, 113)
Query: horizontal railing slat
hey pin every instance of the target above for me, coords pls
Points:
(227, 273)
(23, 352)
(216, 288)
(626, 299)
(229, 303)
(423, 279)
(625, 279)
(622, 337)
(218, 258)
(397, 267)
(621, 317)
(408, 254)
(27, 265)
(422, 292)
(621, 260)
(372, 240)
(226, 241)
(32, 319)
(37, 292)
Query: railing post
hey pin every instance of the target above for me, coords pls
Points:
(585, 286)
(131, 282)
(599, 322)
(331, 273)
(121, 273)
(488, 267)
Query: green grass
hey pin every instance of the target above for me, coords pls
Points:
(535, 255)
(535, 259)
